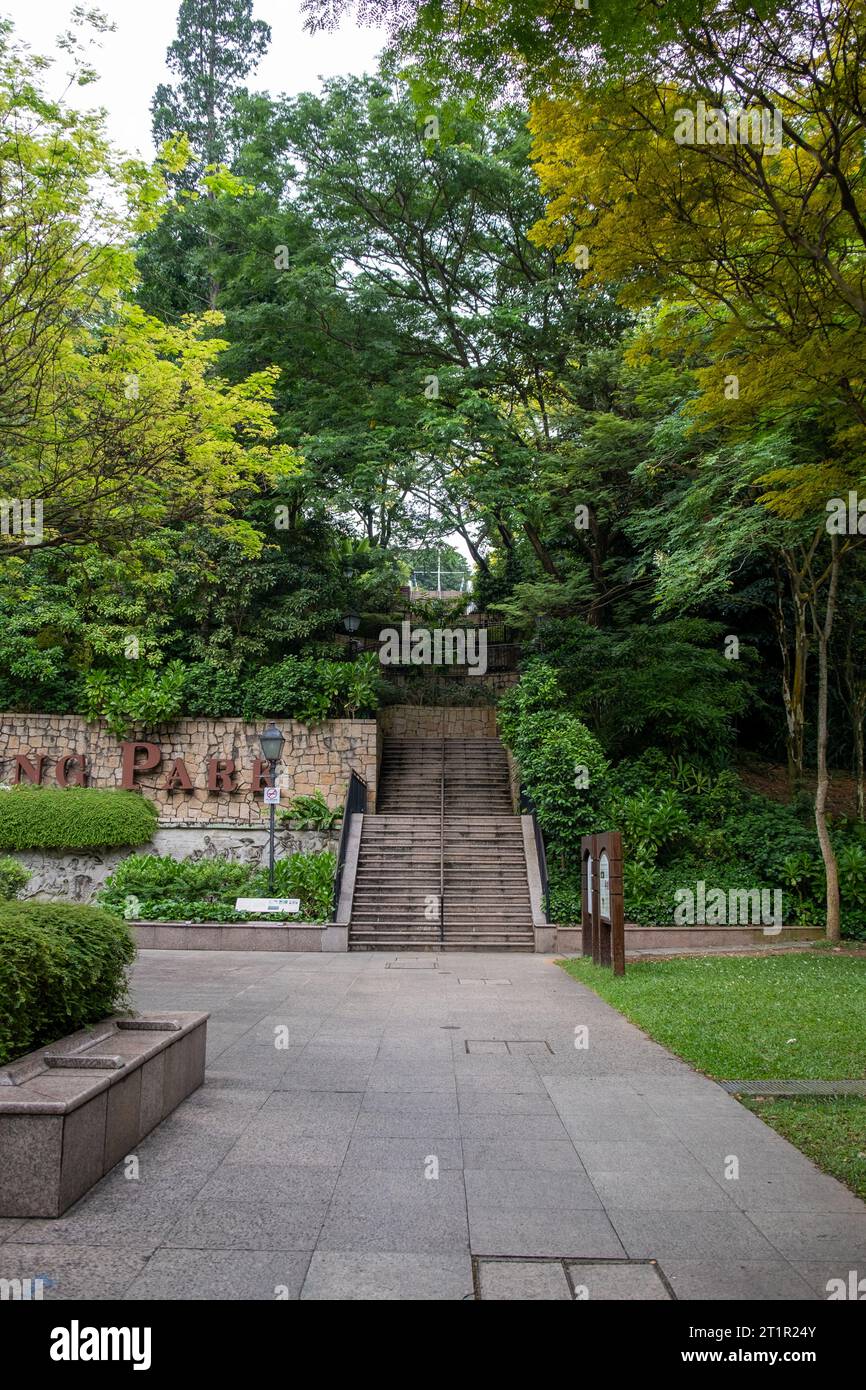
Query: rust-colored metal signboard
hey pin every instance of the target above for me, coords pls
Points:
(603, 912)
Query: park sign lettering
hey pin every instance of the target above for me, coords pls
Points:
(71, 770)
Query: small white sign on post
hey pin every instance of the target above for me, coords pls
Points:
(267, 905)
(272, 796)
(604, 886)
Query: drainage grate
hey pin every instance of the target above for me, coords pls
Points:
(568, 1279)
(794, 1088)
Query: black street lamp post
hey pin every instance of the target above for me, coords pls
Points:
(272, 746)
(351, 622)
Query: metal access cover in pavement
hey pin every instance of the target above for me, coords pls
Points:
(569, 1280)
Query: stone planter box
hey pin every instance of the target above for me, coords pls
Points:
(71, 1111)
(240, 936)
(568, 939)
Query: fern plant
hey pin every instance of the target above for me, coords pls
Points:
(311, 813)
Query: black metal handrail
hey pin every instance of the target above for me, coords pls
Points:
(442, 839)
(356, 804)
(527, 808)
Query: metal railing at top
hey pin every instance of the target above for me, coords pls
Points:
(498, 632)
(527, 808)
(356, 804)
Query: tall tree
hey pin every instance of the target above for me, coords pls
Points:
(218, 44)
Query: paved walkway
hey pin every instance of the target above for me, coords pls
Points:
(427, 1110)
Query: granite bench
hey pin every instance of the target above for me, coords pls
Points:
(71, 1111)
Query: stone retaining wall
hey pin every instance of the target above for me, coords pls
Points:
(434, 721)
(77, 877)
(319, 757)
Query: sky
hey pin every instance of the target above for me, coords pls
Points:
(131, 61)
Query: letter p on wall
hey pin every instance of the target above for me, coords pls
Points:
(131, 764)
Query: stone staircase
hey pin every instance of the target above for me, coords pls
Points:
(442, 866)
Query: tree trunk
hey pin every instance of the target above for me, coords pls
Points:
(858, 753)
(541, 550)
(474, 551)
(794, 668)
(823, 630)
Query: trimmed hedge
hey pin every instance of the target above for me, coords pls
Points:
(62, 967)
(561, 763)
(73, 818)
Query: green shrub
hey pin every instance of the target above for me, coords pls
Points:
(650, 821)
(157, 888)
(565, 773)
(565, 896)
(34, 676)
(73, 818)
(62, 967)
(212, 692)
(13, 877)
(763, 833)
(309, 877)
(311, 813)
(536, 692)
(681, 824)
(560, 762)
(310, 690)
(664, 683)
(134, 693)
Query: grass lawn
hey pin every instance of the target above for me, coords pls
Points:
(747, 1018)
(750, 1018)
(831, 1131)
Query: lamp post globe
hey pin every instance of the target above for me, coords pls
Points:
(272, 742)
(351, 622)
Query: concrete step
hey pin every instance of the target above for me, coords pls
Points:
(384, 943)
(400, 856)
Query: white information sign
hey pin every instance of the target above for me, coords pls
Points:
(272, 796)
(268, 905)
